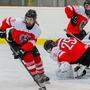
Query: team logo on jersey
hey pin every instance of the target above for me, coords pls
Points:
(23, 38)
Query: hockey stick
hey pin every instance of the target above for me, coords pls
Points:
(77, 38)
(41, 85)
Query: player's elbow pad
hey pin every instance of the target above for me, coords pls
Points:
(27, 47)
(5, 24)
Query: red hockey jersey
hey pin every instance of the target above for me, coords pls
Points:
(70, 50)
(25, 40)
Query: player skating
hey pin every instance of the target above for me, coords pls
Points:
(22, 36)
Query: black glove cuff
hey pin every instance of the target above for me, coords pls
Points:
(2, 34)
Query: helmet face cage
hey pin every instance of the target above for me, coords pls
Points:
(29, 21)
(30, 16)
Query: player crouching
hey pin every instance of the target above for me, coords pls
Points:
(72, 55)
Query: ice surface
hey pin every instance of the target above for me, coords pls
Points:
(13, 75)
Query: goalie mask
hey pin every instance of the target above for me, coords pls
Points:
(30, 18)
(48, 45)
(87, 7)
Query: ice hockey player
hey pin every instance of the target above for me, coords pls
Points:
(19, 40)
(79, 17)
(67, 52)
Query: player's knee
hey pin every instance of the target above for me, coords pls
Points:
(28, 57)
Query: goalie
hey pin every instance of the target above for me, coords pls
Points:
(72, 55)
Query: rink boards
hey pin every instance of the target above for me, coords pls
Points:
(52, 20)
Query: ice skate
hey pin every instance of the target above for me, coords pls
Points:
(45, 78)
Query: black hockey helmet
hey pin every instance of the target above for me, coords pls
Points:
(30, 18)
(31, 13)
(87, 7)
(48, 45)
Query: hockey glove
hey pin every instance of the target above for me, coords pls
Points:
(20, 53)
(83, 33)
(2, 34)
(74, 20)
(35, 52)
